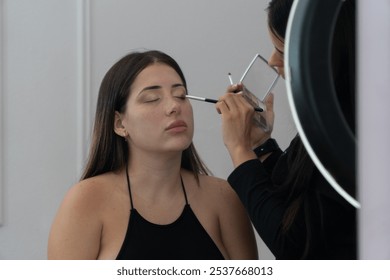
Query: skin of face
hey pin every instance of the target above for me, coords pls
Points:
(277, 57)
(158, 116)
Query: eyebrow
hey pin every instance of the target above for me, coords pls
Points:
(158, 87)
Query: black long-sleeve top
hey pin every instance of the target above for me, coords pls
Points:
(324, 219)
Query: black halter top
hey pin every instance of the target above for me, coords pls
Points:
(184, 239)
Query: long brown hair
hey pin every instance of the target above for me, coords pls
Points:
(108, 151)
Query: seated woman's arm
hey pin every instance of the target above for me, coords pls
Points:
(237, 231)
(76, 230)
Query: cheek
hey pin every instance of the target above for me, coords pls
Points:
(189, 117)
(188, 110)
(140, 125)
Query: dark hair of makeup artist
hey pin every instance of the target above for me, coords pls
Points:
(108, 151)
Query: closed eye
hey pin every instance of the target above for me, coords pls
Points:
(179, 91)
(151, 100)
(183, 97)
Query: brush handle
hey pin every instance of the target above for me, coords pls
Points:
(209, 100)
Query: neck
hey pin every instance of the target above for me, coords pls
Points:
(155, 174)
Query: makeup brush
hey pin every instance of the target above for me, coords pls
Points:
(209, 100)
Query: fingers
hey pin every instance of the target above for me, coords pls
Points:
(235, 88)
(269, 102)
(221, 107)
(226, 103)
(233, 101)
(234, 108)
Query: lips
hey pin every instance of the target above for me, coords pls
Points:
(177, 125)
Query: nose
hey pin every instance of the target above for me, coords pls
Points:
(275, 60)
(173, 106)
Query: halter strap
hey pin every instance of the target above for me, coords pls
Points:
(128, 186)
(184, 189)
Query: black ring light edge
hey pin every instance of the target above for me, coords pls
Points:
(330, 144)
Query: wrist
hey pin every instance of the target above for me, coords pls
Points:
(260, 142)
(269, 146)
(240, 155)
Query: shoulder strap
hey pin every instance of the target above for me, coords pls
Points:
(128, 186)
(184, 190)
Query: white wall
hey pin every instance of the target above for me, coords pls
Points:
(53, 55)
(39, 90)
(374, 133)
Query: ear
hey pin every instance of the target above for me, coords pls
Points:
(119, 128)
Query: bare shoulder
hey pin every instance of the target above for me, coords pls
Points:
(218, 187)
(214, 182)
(215, 192)
(77, 227)
(90, 194)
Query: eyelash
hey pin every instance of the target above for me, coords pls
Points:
(182, 97)
(150, 101)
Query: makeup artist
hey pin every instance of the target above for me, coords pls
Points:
(145, 193)
(293, 208)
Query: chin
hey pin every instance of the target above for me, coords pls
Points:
(179, 146)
